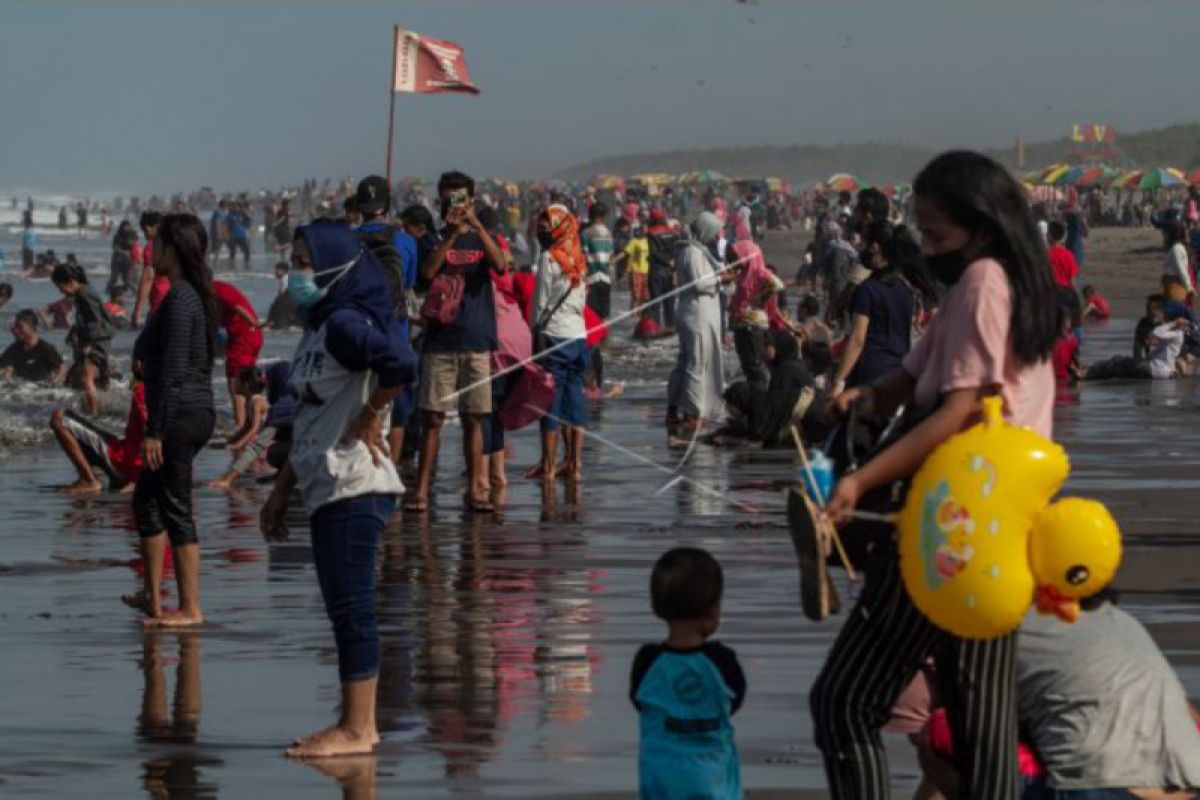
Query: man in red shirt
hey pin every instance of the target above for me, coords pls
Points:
(1062, 260)
(91, 448)
(244, 329)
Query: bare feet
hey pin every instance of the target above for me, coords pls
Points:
(538, 470)
(334, 741)
(416, 504)
(82, 487)
(139, 602)
(176, 618)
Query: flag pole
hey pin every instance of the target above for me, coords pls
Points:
(392, 100)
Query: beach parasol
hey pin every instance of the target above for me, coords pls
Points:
(702, 177)
(1157, 178)
(609, 182)
(1095, 176)
(845, 182)
(778, 185)
(1053, 175)
(652, 178)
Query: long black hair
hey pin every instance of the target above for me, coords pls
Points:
(979, 195)
(185, 235)
(903, 256)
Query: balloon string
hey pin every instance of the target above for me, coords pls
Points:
(828, 523)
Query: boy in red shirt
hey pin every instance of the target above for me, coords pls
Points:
(1062, 260)
(241, 323)
(1095, 307)
(91, 448)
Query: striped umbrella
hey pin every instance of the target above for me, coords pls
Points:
(1160, 178)
(845, 182)
(1053, 175)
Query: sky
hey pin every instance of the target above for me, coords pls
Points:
(172, 95)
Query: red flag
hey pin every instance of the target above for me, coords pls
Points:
(428, 65)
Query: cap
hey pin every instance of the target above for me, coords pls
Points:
(373, 195)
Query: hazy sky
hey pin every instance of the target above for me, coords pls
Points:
(169, 95)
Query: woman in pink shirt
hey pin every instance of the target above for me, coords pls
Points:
(993, 335)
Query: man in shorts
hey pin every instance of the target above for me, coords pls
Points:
(456, 366)
(94, 451)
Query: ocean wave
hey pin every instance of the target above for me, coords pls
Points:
(28, 406)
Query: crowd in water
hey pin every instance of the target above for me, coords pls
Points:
(496, 305)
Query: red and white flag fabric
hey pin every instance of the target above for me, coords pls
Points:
(429, 66)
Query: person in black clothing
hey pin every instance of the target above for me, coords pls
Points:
(665, 242)
(176, 350)
(89, 337)
(29, 358)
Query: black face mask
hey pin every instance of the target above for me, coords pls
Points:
(545, 239)
(947, 267)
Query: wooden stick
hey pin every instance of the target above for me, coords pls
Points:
(823, 519)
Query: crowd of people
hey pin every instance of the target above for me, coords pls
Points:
(498, 308)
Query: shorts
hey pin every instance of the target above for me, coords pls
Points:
(567, 364)
(95, 443)
(443, 374)
(251, 452)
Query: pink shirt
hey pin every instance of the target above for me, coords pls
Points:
(967, 346)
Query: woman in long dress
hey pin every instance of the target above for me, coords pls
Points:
(698, 379)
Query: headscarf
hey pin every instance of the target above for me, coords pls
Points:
(706, 228)
(567, 250)
(752, 276)
(363, 286)
(834, 240)
(789, 378)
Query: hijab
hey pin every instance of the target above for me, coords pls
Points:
(363, 287)
(789, 377)
(706, 228)
(567, 249)
(834, 240)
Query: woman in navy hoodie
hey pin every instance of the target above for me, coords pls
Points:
(350, 364)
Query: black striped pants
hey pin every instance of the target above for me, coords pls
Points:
(880, 649)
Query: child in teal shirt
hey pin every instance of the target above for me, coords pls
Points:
(687, 689)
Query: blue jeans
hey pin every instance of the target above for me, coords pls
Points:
(568, 365)
(345, 537)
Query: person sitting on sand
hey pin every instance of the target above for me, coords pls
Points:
(1162, 345)
(687, 688)
(90, 448)
(808, 314)
(29, 357)
(253, 438)
(1104, 715)
(1095, 307)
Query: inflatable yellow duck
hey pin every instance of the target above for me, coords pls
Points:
(980, 540)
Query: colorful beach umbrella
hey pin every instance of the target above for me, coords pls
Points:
(1160, 178)
(1053, 175)
(845, 182)
(1095, 176)
(609, 182)
(652, 178)
(703, 177)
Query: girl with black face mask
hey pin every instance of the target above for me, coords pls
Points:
(993, 335)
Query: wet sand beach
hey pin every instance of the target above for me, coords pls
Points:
(507, 641)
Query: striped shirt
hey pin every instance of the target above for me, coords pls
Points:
(598, 247)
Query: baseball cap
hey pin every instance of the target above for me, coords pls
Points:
(373, 195)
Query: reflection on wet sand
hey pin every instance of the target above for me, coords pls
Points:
(174, 775)
(477, 629)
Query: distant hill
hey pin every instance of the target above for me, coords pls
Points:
(1177, 145)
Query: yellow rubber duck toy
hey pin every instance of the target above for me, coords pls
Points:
(980, 540)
